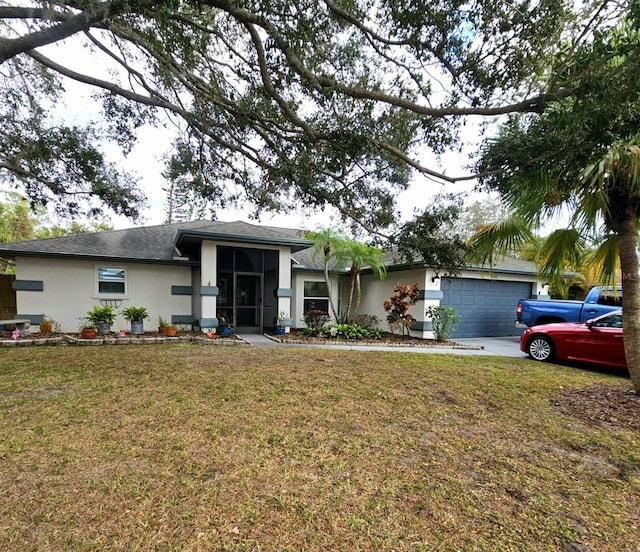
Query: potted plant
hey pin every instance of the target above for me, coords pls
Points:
(136, 316)
(162, 324)
(165, 328)
(225, 328)
(88, 330)
(279, 322)
(102, 318)
(46, 325)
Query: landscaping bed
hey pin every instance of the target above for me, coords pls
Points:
(387, 339)
(146, 338)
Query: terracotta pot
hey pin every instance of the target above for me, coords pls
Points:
(88, 333)
(170, 331)
(46, 327)
(161, 329)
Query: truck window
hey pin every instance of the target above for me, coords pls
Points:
(612, 301)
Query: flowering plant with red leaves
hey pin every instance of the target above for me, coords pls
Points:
(397, 307)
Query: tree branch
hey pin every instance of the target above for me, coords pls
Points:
(67, 27)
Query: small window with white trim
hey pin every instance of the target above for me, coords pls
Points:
(112, 280)
(316, 296)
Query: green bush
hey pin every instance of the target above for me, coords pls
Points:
(443, 320)
(350, 331)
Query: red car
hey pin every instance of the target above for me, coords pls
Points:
(597, 341)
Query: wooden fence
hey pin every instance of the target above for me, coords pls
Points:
(8, 308)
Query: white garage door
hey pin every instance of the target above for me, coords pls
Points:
(486, 308)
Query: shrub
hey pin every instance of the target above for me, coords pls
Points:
(398, 306)
(315, 318)
(443, 320)
(368, 321)
(350, 331)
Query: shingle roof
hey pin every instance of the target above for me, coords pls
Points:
(159, 243)
(150, 243)
(305, 259)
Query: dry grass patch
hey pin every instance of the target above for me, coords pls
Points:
(189, 448)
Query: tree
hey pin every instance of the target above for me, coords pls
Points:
(478, 214)
(339, 252)
(278, 103)
(19, 222)
(433, 237)
(582, 158)
(326, 240)
(358, 256)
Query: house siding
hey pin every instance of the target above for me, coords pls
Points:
(69, 290)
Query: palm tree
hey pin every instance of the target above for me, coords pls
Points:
(603, 208)
(326, 241)
(341, 252)
(357, 256)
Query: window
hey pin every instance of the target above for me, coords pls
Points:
(611, 321)
(610, 299)
(316, 296)
(111, 281)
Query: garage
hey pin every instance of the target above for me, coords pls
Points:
(486, 308)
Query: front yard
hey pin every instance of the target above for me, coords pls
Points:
(186, 447)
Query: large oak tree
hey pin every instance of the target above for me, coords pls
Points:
(280, 103)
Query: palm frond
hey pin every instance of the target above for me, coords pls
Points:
(536, 199)
(592, 202)
(500, 238)
(605, 261)
(561, 250)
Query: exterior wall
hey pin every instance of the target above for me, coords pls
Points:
(503, 276)
(208, 284)
(69, 290)
(286, 303)
(375, 292)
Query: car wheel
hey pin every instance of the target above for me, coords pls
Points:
(540, 348)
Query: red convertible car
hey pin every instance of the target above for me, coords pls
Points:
(597, 341)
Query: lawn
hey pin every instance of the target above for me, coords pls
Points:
(195, 448)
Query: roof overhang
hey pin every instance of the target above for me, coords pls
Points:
(189, 238)
(94, 257)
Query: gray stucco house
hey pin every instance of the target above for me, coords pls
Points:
(248, 273)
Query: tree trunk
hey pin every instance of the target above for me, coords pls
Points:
(352, 283)
(356, 309)
(328, 282)
(627, 246)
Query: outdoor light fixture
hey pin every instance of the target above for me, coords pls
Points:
(436, 277)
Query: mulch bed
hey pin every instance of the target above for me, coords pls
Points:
(386, 339)
(607, 407)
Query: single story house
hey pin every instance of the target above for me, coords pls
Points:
(250, 274)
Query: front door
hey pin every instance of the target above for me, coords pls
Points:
(248, 302)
